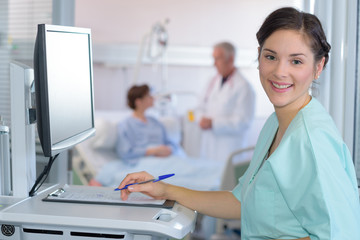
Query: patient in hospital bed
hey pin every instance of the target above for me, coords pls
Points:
(143, 143)
(141, 135)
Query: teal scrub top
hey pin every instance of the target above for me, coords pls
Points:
(307, 187)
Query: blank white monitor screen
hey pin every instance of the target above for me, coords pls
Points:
(69, 87)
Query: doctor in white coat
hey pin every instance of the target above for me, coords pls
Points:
(226, 109)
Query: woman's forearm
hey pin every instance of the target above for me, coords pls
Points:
(220, 204)
(305, 238)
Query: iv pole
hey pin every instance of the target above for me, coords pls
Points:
(157, 40)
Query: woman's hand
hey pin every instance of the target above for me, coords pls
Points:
(155, 190)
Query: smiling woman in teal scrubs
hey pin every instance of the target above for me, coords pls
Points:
(301, 181)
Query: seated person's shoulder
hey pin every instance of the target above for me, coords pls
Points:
(125, 124)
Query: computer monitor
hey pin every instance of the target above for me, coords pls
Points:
(63, 75)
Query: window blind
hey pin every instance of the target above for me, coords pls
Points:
(18, 26)
(4, 58)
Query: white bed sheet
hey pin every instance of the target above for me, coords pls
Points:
(190, 173)
(194, 173)
(96, 157)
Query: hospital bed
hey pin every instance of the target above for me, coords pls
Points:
(98, 155)
(92, 155)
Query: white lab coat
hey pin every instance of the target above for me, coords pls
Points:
(231, 108)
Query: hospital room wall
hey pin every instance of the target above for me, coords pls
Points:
(194, 26)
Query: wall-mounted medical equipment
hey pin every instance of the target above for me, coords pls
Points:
(156, 42)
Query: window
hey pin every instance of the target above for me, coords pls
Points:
(18, 26)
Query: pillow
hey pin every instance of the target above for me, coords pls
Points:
(106, 134)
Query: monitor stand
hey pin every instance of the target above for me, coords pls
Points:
(22, 129)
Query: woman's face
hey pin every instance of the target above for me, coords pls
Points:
(287, 68)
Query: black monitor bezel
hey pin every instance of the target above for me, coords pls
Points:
(41, 91)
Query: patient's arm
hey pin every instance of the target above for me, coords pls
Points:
(159, 151)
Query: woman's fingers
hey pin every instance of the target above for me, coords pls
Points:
(133, 178)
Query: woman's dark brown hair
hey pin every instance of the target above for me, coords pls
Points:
(291, 19)
(136, 92)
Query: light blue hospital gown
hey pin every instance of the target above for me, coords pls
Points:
(135, 136)
(307, 187)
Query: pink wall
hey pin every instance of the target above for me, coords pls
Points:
(192, 23)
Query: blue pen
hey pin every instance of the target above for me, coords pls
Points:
(162, 177)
